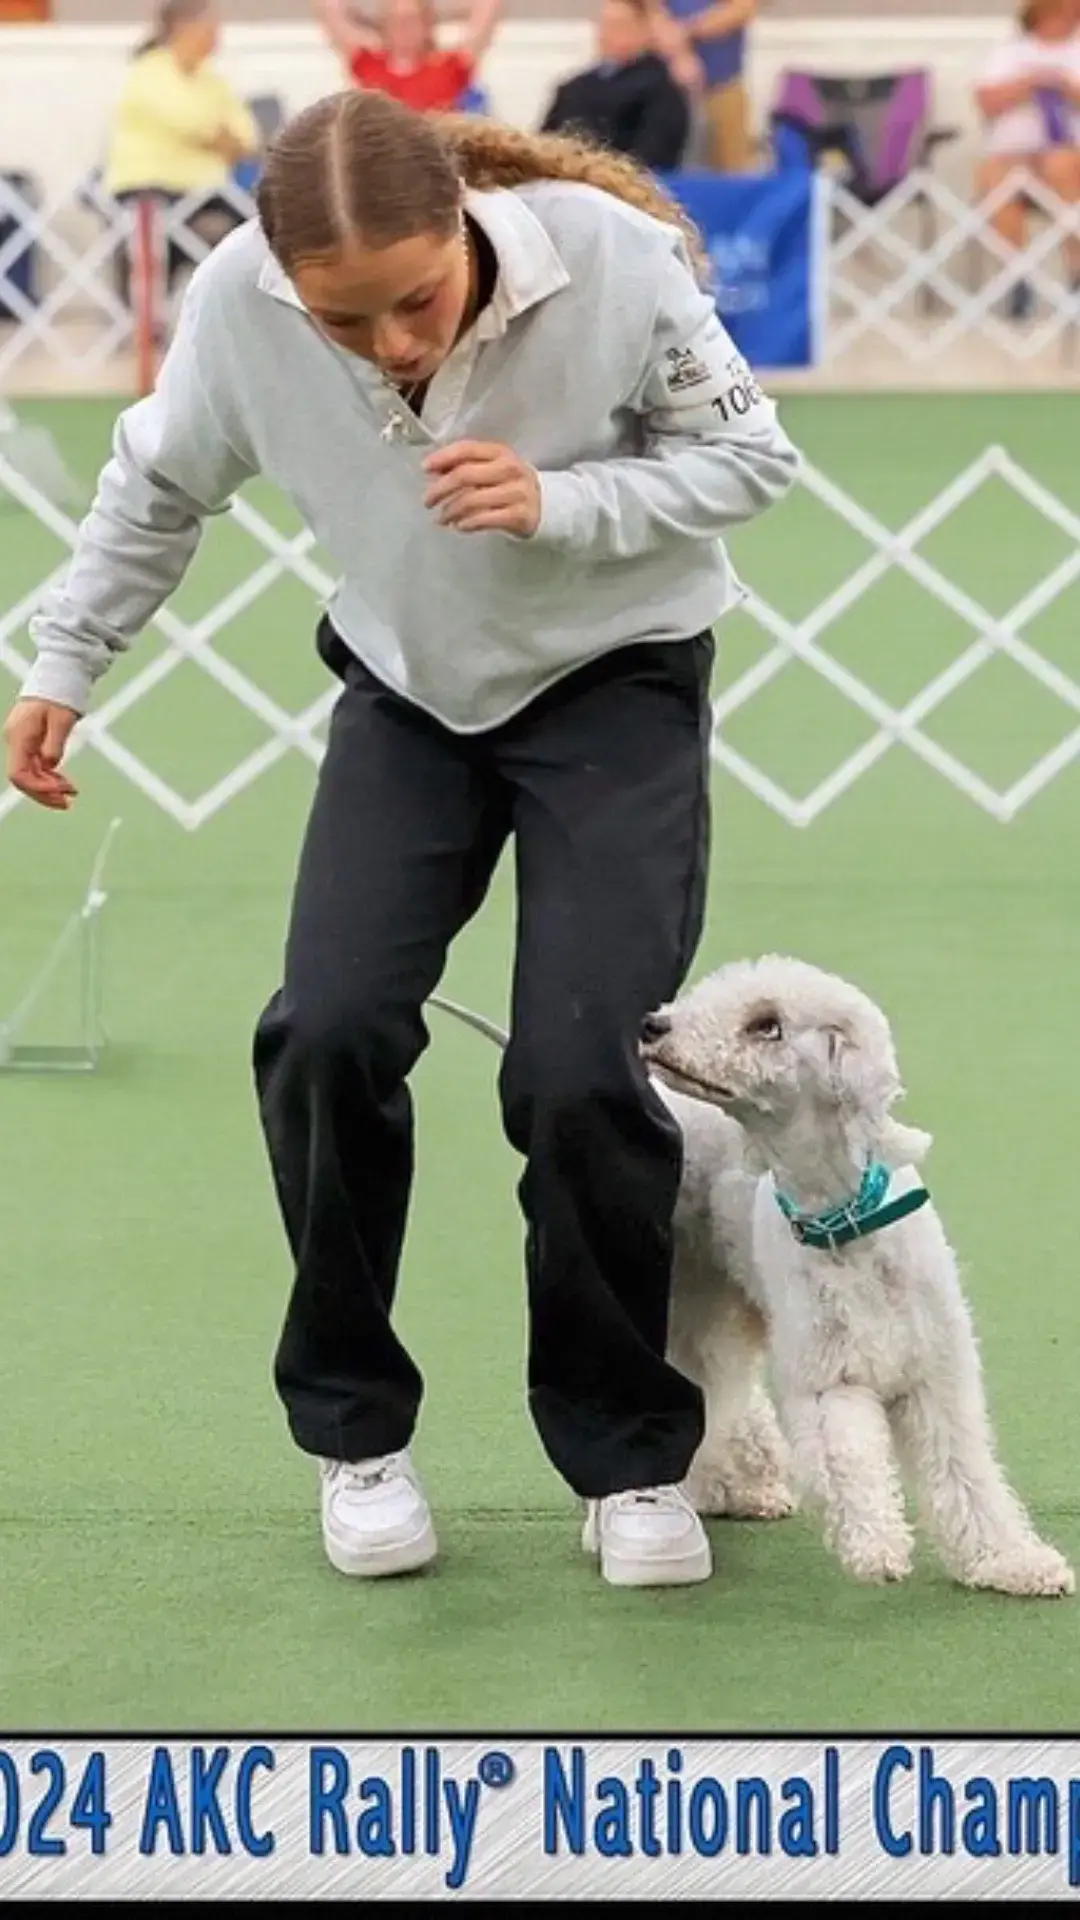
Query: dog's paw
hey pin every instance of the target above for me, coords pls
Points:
(768, 1500)
(877, 1562)
(707, 1493)
(1035, 1572)
(739, 1499)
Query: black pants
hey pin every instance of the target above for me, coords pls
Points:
(603, 784)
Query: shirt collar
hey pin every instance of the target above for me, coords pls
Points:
(530, 266)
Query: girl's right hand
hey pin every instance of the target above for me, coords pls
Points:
(35, 736)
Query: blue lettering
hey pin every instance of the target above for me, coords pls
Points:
(611, 1830)
(796, 1830)
(674, 1803)
(257, 1844)
(1034, 1816)
(205, 1811)
(708, 1831)
(408, 1800)
(462, 1807)
(564, 1800)
(431, 1801)
(832, 1800)
(161, 1807)
(750, 1793)
(89, 1809)
(9, 1832)
(894, 1760)
(328, 1780)
(1074, 1833)
(648, 1790)
(375, 1827)
(934, 1791)
(38, 1842)
(978, 1831)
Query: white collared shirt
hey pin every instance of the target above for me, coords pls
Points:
(599, 360)
(1024, 129)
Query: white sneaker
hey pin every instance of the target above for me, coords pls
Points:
(647, 1537)
(375, 1518)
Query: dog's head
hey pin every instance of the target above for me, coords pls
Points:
(776, 1040)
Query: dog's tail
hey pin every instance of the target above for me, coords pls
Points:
(477, 1020)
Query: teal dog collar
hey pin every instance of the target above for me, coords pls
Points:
(867, 1212)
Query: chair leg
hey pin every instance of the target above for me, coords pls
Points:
(926, 299)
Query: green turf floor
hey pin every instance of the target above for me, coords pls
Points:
(161, 1560)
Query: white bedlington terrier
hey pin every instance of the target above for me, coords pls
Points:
(801, 1196)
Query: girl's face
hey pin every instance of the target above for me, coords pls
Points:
(400, 306)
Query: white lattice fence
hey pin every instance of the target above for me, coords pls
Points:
(286, 732)
(63, 269)
(789, 641)
(920, 280)
(924, 272)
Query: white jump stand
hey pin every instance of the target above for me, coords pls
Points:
(78, 945)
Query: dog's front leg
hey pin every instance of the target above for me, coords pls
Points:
(981, 1530)
(741, 1468)
(844, 1465)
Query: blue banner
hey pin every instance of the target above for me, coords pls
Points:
(762, 232)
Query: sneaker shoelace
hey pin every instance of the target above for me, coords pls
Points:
(663, 1499)
(361, 1476)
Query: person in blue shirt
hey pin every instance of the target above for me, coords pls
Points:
(717, 35)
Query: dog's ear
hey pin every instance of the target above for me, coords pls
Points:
(901, 1146)
(862, 1079)
(868, 1083)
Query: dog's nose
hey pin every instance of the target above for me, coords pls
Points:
(653, 1027)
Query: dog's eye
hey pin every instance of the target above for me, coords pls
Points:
(765, 1026)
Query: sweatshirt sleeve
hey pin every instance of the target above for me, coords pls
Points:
(171, 466)
(713, 452)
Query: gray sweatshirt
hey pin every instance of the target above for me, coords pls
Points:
(599, 360)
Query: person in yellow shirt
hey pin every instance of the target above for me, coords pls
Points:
(178, 127)
(179, 130)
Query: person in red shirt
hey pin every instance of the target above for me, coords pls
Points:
(398, 53)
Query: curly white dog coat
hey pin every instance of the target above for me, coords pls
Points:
(805, 1240)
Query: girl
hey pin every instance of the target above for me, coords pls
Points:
(482, 367)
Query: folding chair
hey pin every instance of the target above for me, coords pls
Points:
(268, 110)
(878, 126)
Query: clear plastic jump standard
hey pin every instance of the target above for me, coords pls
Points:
(57, 1026)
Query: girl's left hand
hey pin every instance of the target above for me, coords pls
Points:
(481, 487)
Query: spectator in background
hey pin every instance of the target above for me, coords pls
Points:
(1029, 97)
(178, 127)
(178, 130)
(716, 36)
(629, 101)
(398, 53)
